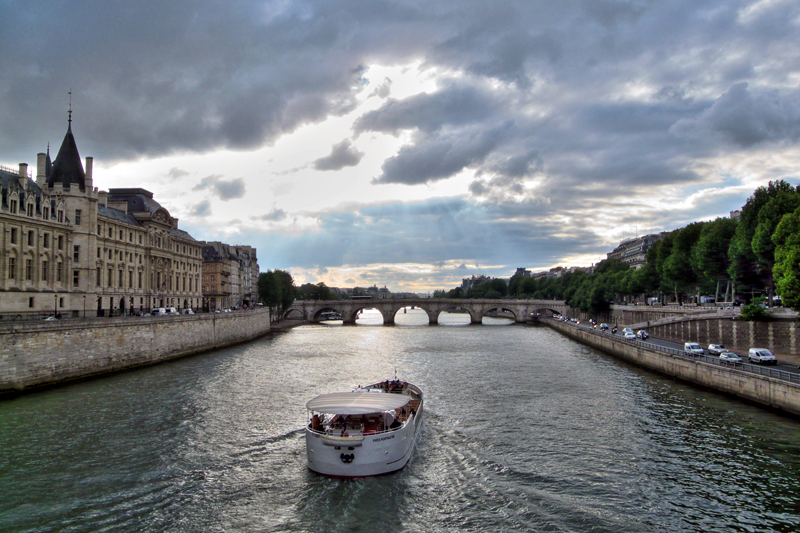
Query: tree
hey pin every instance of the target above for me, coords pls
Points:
(787, 259)
(677, 268)
(710, 254)
(276, 288)
(320, 291)
(747, 266)
(755, 310)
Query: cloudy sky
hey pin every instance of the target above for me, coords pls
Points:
(413, 143)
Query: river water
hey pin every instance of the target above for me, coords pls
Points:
(524, 430)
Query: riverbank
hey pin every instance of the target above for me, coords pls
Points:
(40, 354)
(768, 391)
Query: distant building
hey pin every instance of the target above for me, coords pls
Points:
(230, 275)
(468, 283)
(736, 213)
(524, 272)
(634, 251)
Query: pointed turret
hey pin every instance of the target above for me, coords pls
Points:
(67, 168)
(48, 166)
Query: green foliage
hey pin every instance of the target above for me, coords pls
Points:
(755, 310)
(495, 288)
(320, 291)
(787, 259)
(276, 289)
(710, 255)
(458, 292)
(751, 251)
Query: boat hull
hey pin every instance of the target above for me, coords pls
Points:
(377, 454)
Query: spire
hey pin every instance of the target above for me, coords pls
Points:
(67, 168)
(48, 164)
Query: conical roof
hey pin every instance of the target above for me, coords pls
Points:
(48, 166)
(67, 168)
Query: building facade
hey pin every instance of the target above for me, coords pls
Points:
(634, 251)
(68, 248)
(230, 275)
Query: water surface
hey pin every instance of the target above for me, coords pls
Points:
(524, 430)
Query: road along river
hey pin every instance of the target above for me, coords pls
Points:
(524, 430)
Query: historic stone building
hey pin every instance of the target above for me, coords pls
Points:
(68, 248)
(230, 275)
(634, 251)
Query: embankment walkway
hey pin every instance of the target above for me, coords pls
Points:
(763, 385)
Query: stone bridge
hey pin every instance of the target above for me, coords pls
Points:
(519, 310)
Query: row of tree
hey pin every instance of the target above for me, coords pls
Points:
(758, 252)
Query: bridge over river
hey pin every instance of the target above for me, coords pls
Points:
(519, 310)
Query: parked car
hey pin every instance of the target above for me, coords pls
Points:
(630, 335)
(716, 349)
(692, 348)
(50, 318)
(604, 327)
(642, 334)
(188, 312)
(762, 356)
(730, 358)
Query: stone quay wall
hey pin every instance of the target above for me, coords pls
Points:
(779, 336)
(36, 354)
(764, 390)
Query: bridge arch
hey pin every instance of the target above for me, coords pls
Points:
(499, 309)
(294, 314)
(400, 309)
(459, 308)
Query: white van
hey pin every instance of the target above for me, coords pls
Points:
(164, 311)
(762, 356)
(692, 348)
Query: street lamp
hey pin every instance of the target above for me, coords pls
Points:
(84, 307)
(55, 306)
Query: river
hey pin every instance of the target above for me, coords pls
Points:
(524, 430)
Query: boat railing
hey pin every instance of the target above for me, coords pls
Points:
(358, 432)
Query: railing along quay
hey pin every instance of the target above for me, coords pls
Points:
(791, 377)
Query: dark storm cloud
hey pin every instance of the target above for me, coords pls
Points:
(203, 209)
(177, 173)
(342, 155)
(275, 215)
(439, 157)
(745, 119)
(453, 105)
(226, 190)
(155, 78)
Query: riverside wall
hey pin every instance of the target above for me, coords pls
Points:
(780, 337)
(37, 354)
(764, 390)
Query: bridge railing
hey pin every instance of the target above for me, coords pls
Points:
(746, 367)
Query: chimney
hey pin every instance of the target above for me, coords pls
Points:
(102, 197)
(88, 180)
(23, 175)
(41, 165)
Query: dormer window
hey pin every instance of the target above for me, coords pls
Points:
(60, 216)
(12, 206)
(30, 209)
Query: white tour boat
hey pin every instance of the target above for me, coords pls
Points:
(367, 432)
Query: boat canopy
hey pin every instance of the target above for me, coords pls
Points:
(356, 403)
